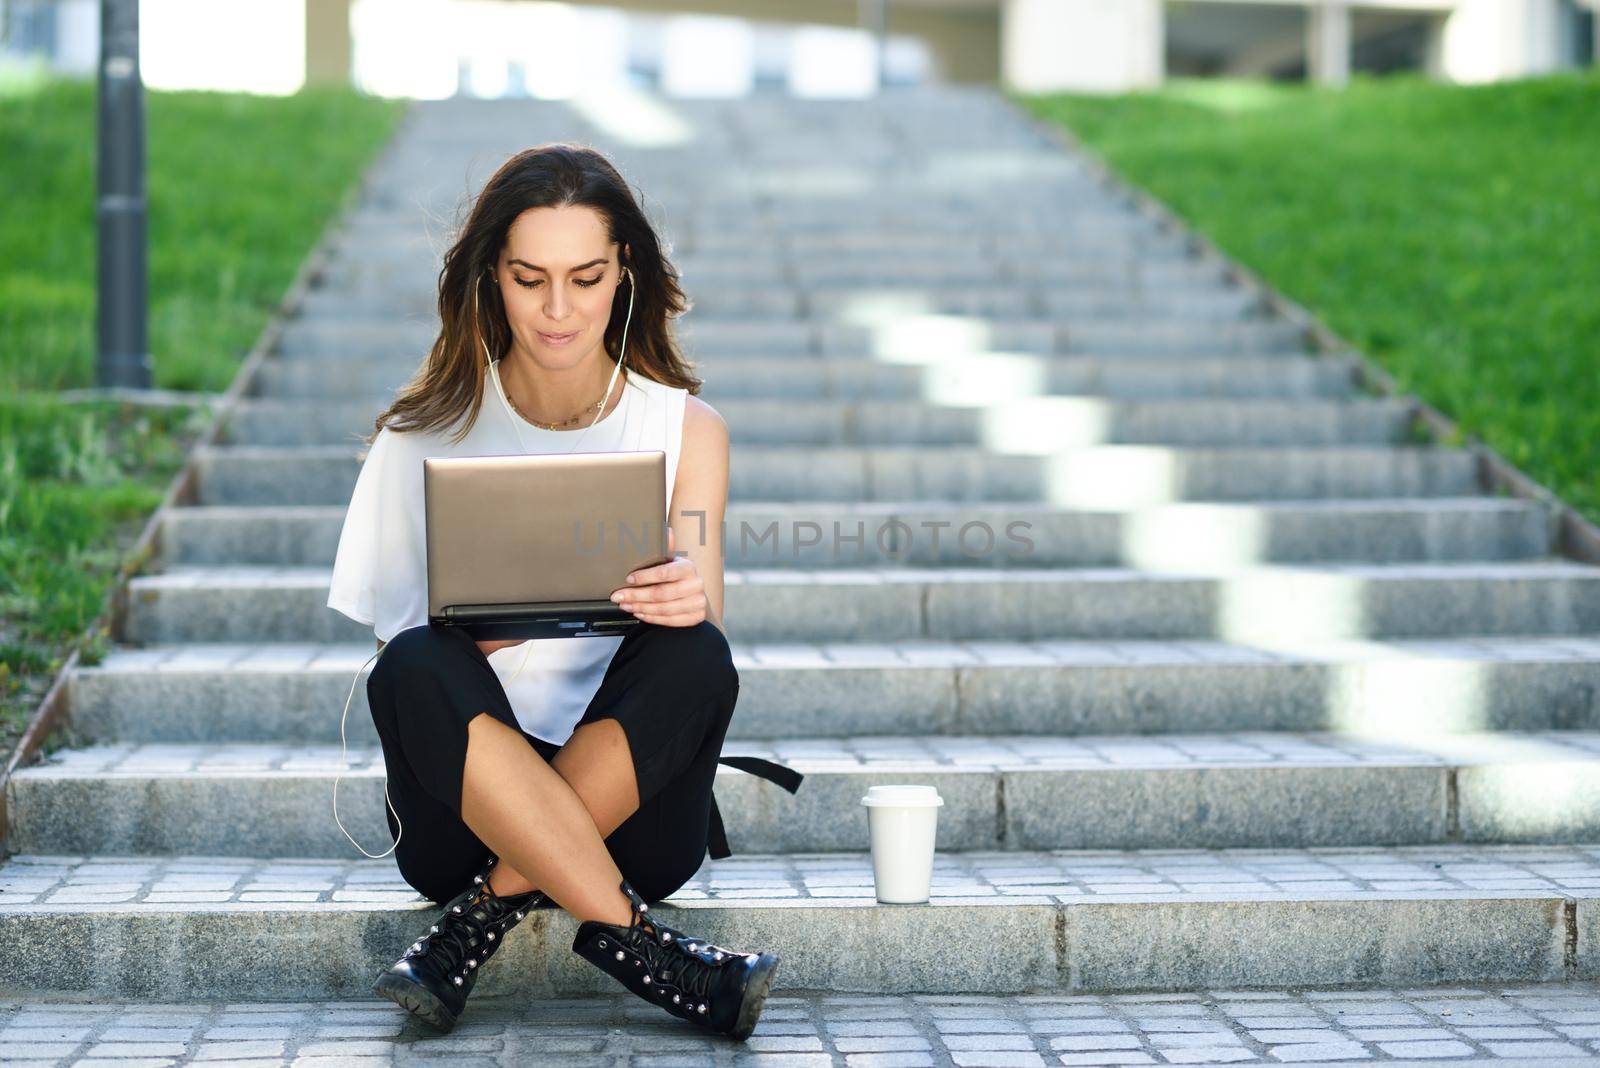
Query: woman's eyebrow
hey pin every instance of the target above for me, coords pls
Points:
(579, 267)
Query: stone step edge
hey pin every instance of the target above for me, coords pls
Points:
(1286, 452)
(844, 878)
(1001, 792)
(762, 323)
(1138, 360)
(888, 509)
(301, 577)
(1253, 403)
(1109, 942)
(292, 693)
(1449, 754)
(339, 658)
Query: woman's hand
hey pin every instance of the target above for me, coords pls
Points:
(671, 594)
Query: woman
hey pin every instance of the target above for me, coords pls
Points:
(571, 772)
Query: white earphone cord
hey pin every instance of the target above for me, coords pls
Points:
(343, 764)
(493, 374)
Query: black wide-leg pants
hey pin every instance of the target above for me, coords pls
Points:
(672, 690)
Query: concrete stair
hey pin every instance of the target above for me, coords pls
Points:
(1279, 695)
(332, 340)
(839, 604)
(1059, 422)
(1272, 789)
(1094, 476)
(1375, 530)
(1092, 920)
(953, 380)
(281, 691)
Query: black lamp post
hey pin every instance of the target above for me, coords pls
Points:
(122, 285)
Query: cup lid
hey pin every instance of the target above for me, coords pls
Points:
(904, 796)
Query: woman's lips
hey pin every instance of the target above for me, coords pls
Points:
(557, 339)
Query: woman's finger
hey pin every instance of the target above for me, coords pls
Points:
(666, 572)
(660, 592)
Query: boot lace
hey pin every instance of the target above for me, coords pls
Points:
(451, 940)
(659, 945)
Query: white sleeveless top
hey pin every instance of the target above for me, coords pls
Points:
(380, 572)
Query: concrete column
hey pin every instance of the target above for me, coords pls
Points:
(1495, 40)
(328, 42)
(965, 44)
(1095, 46)
(1433, 51)
(875, 20)
(1328, 42)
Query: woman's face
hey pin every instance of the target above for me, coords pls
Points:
(558, 275)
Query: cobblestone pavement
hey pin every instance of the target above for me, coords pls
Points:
(1539, 1024)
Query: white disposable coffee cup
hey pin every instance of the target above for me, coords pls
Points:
(902, 821)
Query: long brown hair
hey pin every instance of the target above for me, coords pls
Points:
(450, 382)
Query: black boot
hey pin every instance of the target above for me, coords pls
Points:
(713, 987)
(437, 973)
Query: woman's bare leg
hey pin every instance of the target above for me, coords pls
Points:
(562, 852)
(597, 763)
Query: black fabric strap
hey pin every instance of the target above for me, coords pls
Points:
(786, 777)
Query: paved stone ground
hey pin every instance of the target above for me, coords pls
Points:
(1541, 1024)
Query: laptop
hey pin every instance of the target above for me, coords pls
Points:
(532, 546)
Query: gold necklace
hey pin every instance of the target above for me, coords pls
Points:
(566, 422)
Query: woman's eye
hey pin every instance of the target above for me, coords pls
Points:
(586, 283)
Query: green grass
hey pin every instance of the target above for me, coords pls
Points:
(1450, 233)
(240, 188)
(76, 484)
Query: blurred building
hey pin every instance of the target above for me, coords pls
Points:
(1117, 45)
(431, 48)
(490, 48)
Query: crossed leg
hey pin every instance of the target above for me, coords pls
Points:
(547, 812)
(582, 794)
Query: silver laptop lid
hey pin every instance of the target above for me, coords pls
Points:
(540, 528)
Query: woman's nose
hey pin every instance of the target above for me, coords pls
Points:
(558, 305)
